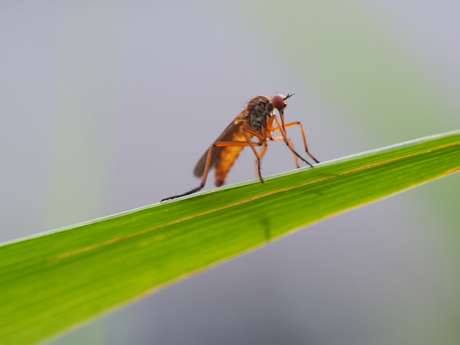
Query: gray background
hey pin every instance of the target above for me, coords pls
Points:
(107, 106)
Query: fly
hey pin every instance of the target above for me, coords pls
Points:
(257, 121)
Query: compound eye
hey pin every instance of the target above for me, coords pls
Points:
(279, 101)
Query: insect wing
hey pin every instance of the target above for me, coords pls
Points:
(231, 133)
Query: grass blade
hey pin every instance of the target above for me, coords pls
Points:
(58, 280)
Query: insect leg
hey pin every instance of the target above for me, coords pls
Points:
(261, 154)
(248, 134)
(209, 157)
(289, 142)
(296, 158)
(203, 180)
(304, 137)
(262, 141)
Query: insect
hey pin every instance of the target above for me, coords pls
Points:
(257, 121)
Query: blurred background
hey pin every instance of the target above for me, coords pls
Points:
(107, 106)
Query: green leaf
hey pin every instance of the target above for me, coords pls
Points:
(60, 279)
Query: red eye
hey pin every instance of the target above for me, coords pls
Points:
(279, 101)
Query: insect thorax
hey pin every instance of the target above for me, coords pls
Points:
(260, 109)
